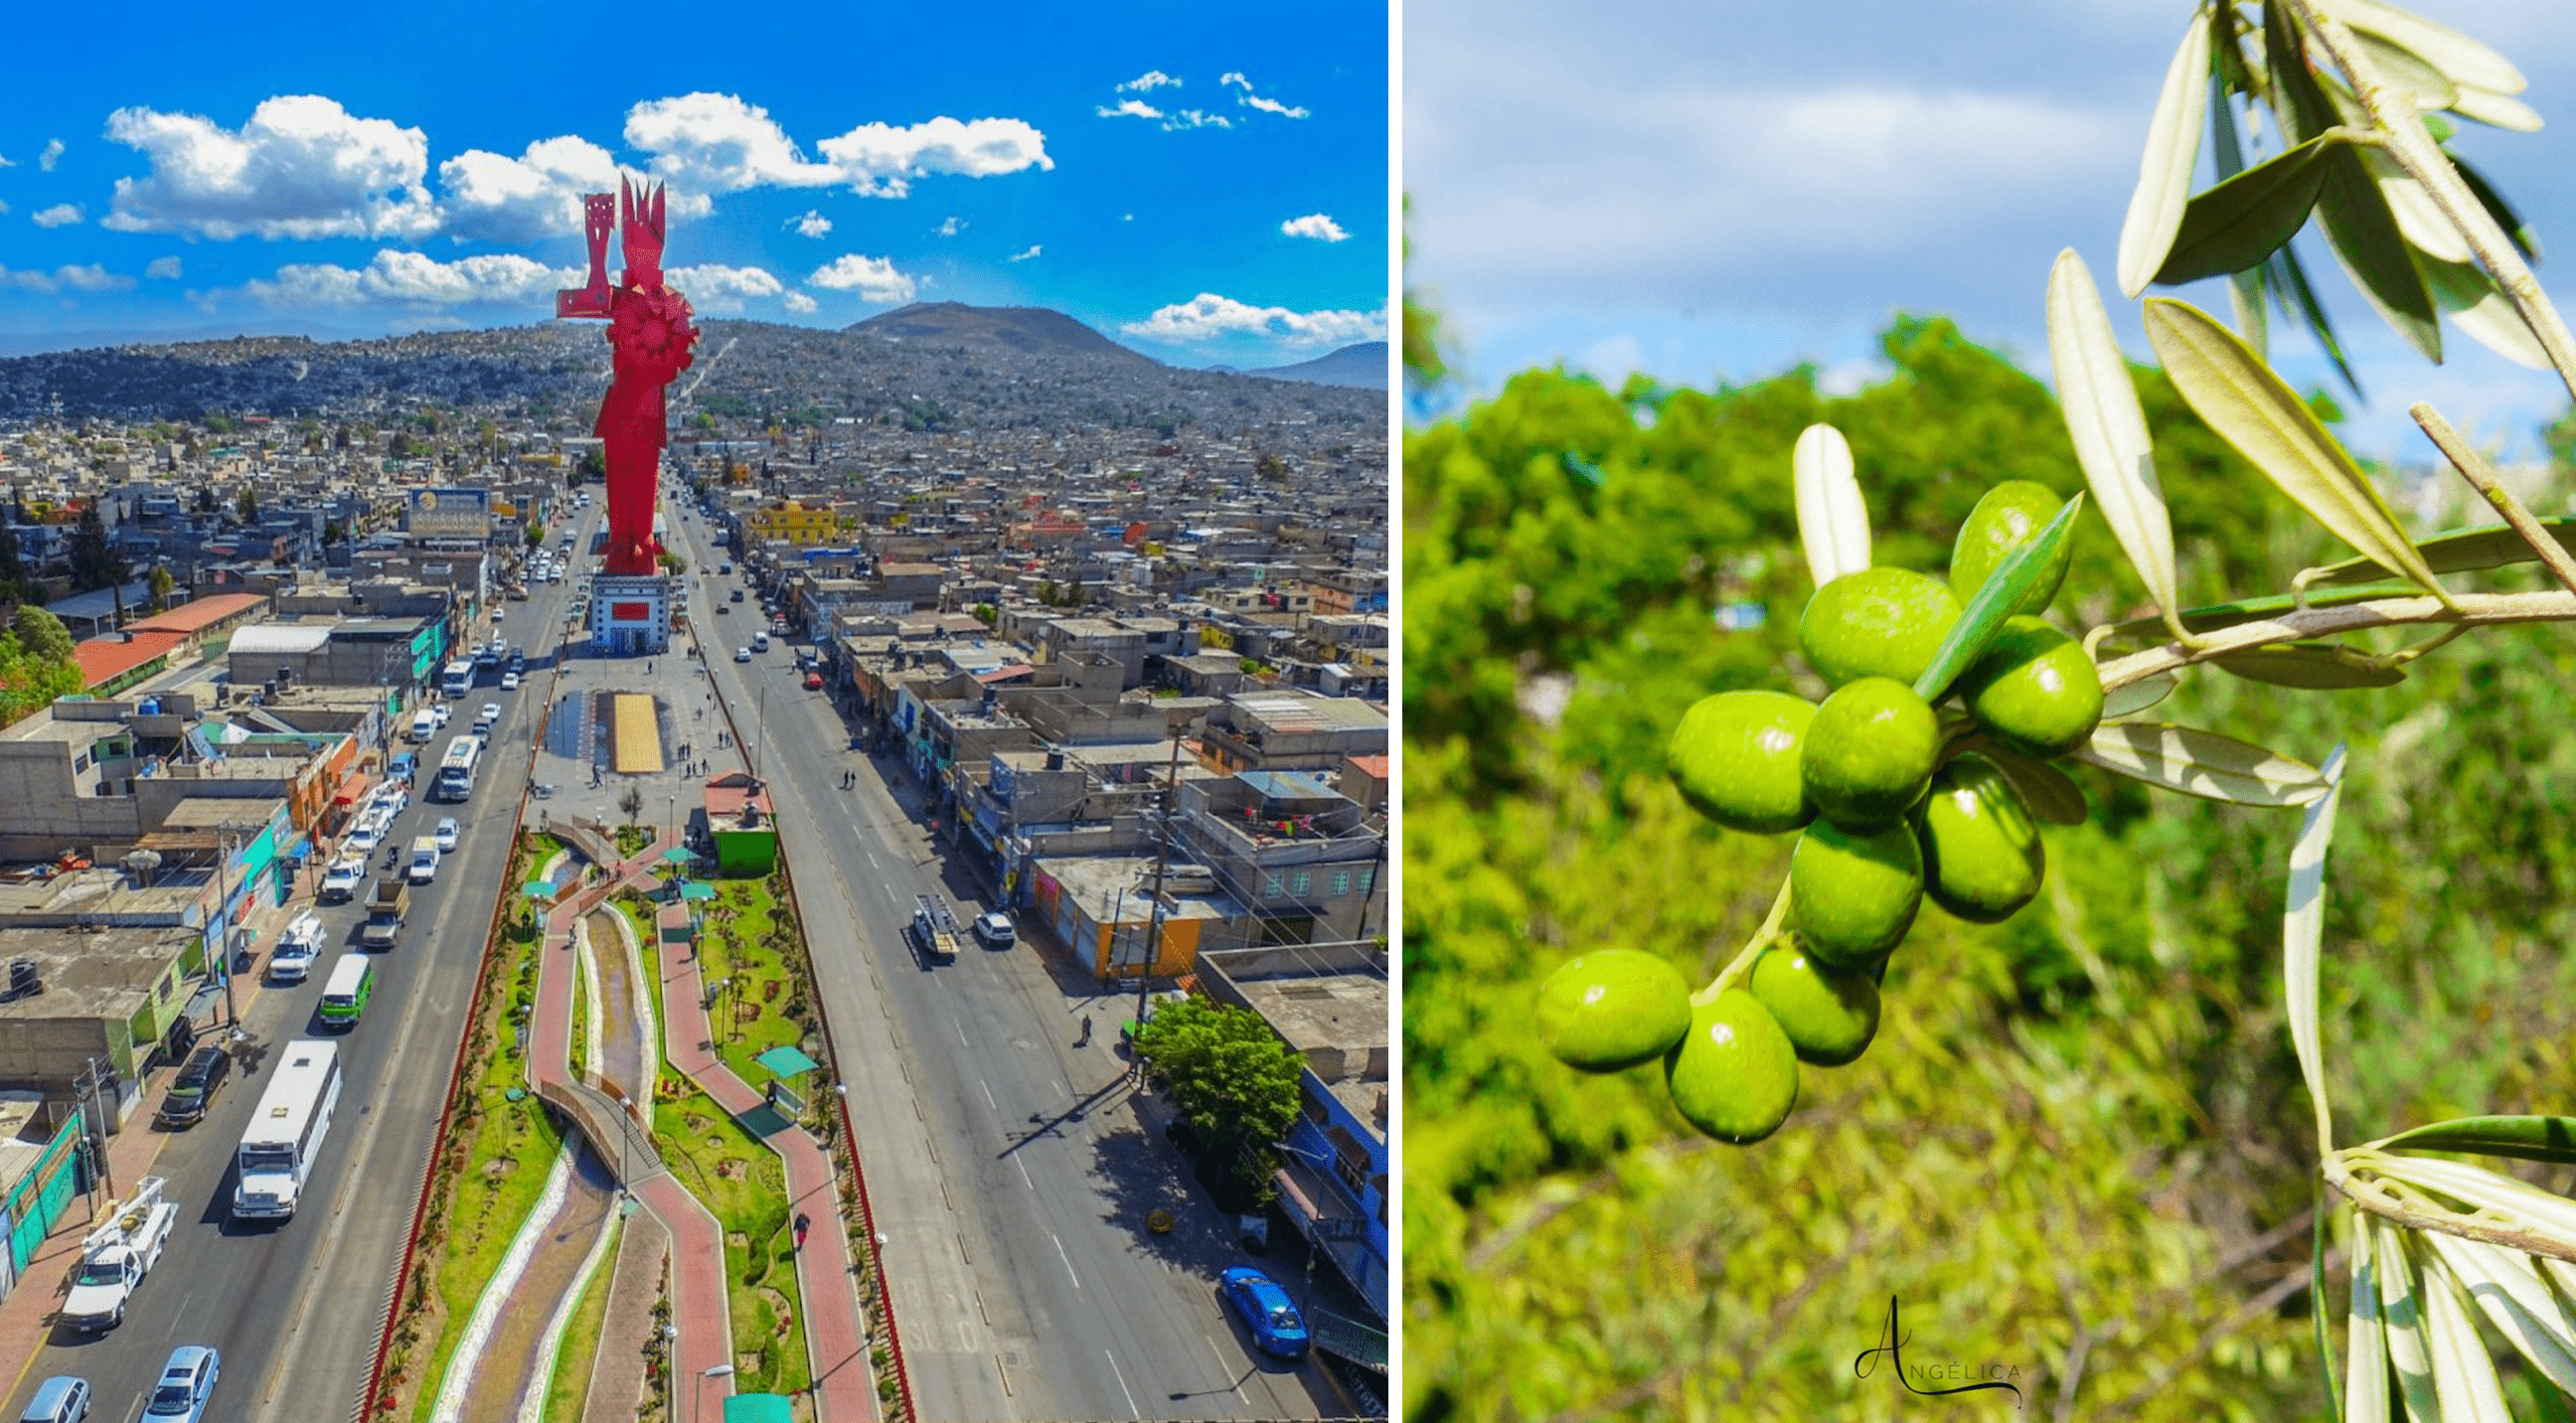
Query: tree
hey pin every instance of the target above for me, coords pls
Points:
(987, 614)
(16, 584)
(162, 586)
(1571, 1258)
(94, 563)
(247, 506)
(536, 534)
(630, 803)
(1230, 1077)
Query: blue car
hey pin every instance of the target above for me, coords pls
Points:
(403, 768)
(1266, 1312)
(187, 1382)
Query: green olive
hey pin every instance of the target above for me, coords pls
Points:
(1735, 759)
(1829, 1014)
(1734, 1075)
(1982, 855)
(2034, 690)
(1612, 1009)
(1852, 897)
(1869, 753)
(2011, 514)
(1877, 622)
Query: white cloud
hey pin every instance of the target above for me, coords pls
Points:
(53, 152)
(952, 227)
(414, 277)
(1315, 225)
(1210, 317)
(720, 290)
(59, 215)
(163, 269)
(92, 278)
(7, 162)
(799, 303)
(873, 278)
(301, 167)
(537, 194)
(4, 207)
(1034, 249)
(812, 224)
(1272, 106)
(1149, 80)
(87, 278)
(1234, 76)
(1193, 118)
(1130, 109)
(718, 143)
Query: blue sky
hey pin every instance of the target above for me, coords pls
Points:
(1705, 188)
(1205, 183)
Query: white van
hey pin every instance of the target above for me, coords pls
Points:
(760, 642)
(424, 859)
(424, 725)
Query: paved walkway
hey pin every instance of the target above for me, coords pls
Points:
(826, 1274)
(617, 1369)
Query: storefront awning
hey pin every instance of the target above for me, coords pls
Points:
(353, 788)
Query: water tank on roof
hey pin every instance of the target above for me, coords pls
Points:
(23, 980)
(149, 706)
(1055, 759)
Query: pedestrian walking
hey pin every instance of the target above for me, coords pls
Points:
(802, 1224)
(1085, 1040)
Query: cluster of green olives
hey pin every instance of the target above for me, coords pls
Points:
(1889, 809)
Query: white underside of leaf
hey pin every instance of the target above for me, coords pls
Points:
(2481, 310)
(2488, 107)
(2516, 1300)
(1833, 523)
(2461, 59)
(2365, 1387)
(2402, 1320)
(2165, 168)
(2202, 763)
(2464, 1376)
(2100, 402)
(2303, 932)
(2418, 219)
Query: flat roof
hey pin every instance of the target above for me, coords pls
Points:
(1296, 711)
(95, 973)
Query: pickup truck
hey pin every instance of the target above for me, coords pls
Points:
(385, 909)
(301, 942)
(935, 926)
(115, 1258)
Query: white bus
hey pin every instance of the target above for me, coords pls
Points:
(456, 769)
(286, 1131)
(456, 678)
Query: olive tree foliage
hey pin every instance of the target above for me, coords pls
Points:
(2074, 1141)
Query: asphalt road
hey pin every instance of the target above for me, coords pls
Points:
(296, 1309)
(1003, 1164)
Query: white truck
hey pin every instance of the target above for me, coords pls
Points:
(115, 1258)
(292, 960)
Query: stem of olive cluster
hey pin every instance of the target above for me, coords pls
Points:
(2467, 609)
(2389, 1200)
(1743, 962)
(2473, 468)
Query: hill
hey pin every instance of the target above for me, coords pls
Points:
(1030, 330)
(1363, 365)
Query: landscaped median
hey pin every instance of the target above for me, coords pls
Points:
(490, 1170)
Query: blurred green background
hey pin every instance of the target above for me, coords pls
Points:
(2079, 1152)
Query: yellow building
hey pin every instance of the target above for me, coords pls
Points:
(798, 523)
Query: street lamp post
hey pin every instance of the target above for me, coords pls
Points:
(224, 927)
(712, 1371)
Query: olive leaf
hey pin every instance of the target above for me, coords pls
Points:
(2052, 795)
(2164, 169)
(2522, 1306)
(2138, 695)
(2246, 218)
(2100, 402)
(2497, 110)
(2480, 308)
(2457, 57)
(2525, 240)
(2311, 666)
(1833, 523)
(2202, 763)
(2286, 274)
(2526, 1138)
(2401, 1319)
(2468, 550)
(2464, 1376)
(2005, 589)
(2250, 407)
(2303, 922)
(2403, 68)
(2365, 1388)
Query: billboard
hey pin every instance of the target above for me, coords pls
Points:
(449, 513)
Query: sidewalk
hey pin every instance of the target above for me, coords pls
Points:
(26, 1316)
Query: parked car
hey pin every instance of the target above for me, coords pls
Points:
(813, 681)
(1274, 1322)
(364, 837)
(340, 882)
(187, 1384)
(995, 929)
(403, 768)
(195, 1087)
(439, 713)
(60, 1399)
(446, 834)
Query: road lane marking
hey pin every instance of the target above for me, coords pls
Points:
(962, 1042)
(1132, 1410)
(1068, 1270)
(1224, 1364)
(1024, 1171)
(988, 1094)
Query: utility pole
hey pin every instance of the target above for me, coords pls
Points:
(224, 925)
(1162, 861)
(91, 1084)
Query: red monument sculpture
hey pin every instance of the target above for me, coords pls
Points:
(649, 337)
